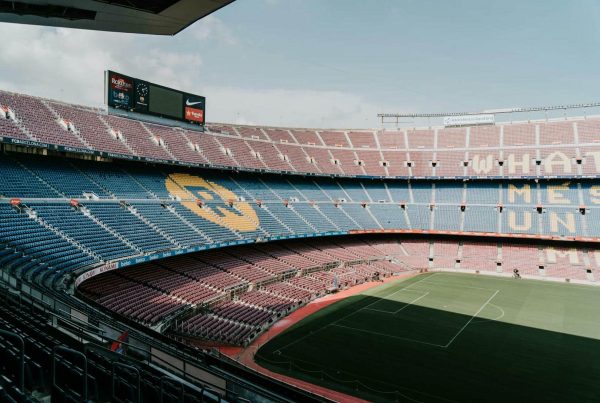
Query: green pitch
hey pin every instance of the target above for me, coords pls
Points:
(451, 337)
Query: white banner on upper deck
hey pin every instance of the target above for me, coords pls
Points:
(466, 120)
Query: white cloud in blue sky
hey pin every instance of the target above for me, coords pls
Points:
(332, 63)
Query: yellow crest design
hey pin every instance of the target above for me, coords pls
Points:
(241, 218)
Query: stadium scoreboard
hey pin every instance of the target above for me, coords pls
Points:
(135, 95)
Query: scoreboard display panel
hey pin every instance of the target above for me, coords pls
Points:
(135, 95)
(164, 101)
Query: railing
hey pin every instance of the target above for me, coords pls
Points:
(174, 357)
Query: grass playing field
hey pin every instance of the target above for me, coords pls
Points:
(451, 337)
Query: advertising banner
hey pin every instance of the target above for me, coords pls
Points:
(120, 90)
(196, 115)
(467, 120)
(194, 108)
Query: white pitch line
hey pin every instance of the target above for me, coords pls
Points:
(301, 338)
(388, 335)
(492, 319)
(472, 317)
(380, 298)
(377, 310)
(399, 309)
(411, 302)
(501, 310)
(351, 313)
(457, 285)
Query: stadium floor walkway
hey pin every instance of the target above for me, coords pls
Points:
(246, 355)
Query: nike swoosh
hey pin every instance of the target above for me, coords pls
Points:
(188, 103)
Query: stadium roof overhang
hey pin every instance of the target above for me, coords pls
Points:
(159, 17)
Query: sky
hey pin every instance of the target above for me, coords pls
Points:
(332, 63)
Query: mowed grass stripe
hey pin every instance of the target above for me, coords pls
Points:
(507, 340)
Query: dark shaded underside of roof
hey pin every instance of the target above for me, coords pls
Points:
(46, 11)
(152, 6)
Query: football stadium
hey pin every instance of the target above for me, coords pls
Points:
(148, 254)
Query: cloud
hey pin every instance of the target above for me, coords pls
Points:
(172, 69)
(68, 65)
(212, 28)
(289, 107)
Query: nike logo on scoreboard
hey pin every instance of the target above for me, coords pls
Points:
(188, 103)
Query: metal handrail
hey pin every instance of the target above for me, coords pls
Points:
(18, 337)
(74, 353)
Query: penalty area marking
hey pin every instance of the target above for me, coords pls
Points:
(472, 317)
(350, 314)
(399, 309)
(492, 319)
(420, 341)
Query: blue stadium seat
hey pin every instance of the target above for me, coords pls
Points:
(419, 216)
(335, 192)
(447, 217)
(377, 191)
(481, 219)
(421, 192)
(129, 226)
(483, 193)
(355, 190)
(16, 181)
(449, 192)
(113, 179)
(83, 229)
(390, 216)
(399, 191)
(314, 217)
(338, 216)
(56, 173)
(360, 215)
